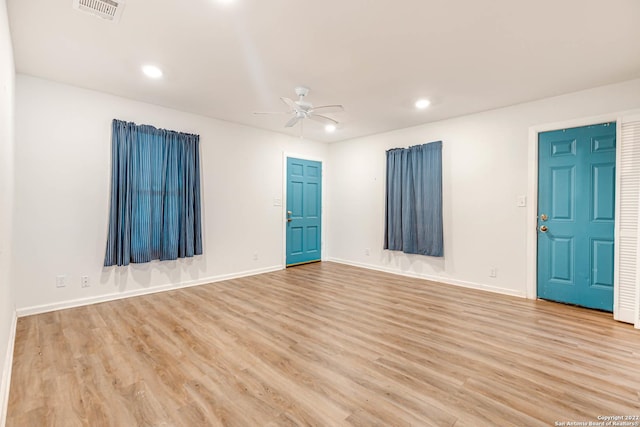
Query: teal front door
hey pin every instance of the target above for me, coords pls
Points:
(576, 214)
(304, 211)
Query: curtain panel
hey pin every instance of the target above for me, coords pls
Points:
(413, 208)
(155, 195)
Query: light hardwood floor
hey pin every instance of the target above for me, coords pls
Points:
(323, 344)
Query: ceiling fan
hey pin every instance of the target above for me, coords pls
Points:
(301, 109)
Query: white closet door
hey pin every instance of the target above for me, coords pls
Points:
(627, 302)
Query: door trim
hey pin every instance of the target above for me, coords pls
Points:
(532, 193)
(323, 210)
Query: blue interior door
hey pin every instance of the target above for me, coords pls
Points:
(576, 214)
(304, 211)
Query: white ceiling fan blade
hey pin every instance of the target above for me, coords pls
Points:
(289, 103)
(291, 123)
(322, 119)
(270, 112)
(337, 108)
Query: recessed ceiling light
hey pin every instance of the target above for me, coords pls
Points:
(152, 71)
(421, 104)
(330, 128)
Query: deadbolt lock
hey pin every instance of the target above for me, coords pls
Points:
(544, 217)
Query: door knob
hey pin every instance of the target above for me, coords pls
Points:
(544, 228)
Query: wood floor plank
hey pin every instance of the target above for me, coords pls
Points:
(323, 344)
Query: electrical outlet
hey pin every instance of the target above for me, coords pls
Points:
(255, 256)
(493, 272)
(61, 281)
(84, 281)
(367, 251)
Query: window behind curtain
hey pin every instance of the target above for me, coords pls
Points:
(413, 216)
(155, 195)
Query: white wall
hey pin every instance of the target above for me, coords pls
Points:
(485, 162)
(62, 177)
(7, 309)
(62, 181)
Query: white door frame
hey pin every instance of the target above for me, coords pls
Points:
(285, 155)
(532, 193)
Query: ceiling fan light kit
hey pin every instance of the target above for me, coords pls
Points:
(301, 109)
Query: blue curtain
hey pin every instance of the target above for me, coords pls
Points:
(413, 217)
(155, 195)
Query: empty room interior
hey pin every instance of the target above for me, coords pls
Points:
(358, 213)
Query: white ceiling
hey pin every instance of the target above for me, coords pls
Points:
(376, 57)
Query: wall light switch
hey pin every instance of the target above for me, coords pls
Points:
(522, 201)
(277, 201)
(61, 281)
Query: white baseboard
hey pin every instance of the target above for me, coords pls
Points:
(439, 279)
(6, 372)
(27, 311)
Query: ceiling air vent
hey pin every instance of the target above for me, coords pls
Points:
(111, 10)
